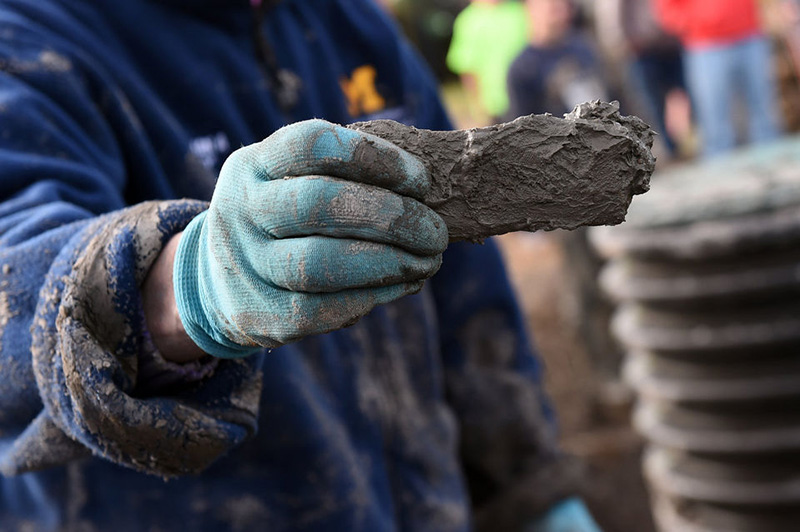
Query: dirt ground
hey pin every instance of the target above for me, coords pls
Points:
(593, 410)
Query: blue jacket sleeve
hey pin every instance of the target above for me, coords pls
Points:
(72, 257)
(508, 444)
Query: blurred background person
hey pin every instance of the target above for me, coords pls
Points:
(558, 68)
(487, 36)
(727, 61)
(651, 66)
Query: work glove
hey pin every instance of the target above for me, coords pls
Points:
(307, 232)
(569, 515)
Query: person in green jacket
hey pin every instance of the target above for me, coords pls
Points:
(487, 36)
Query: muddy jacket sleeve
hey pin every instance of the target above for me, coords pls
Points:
(72, 256)
(508, 442)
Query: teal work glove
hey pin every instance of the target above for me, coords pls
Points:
(569, 515)
(307, 232)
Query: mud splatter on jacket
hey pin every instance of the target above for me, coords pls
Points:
(426, 415)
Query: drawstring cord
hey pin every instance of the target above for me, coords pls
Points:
(284, 84)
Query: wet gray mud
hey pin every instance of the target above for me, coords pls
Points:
(537, 172)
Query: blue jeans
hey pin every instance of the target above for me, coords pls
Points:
(716, 76)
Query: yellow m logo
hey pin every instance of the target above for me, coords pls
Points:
(362, 96)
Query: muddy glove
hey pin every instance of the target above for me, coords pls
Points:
(567, 516)
(307, 232)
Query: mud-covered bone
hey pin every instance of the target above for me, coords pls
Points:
(537, 172)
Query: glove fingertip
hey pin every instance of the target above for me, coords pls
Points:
(413, 287)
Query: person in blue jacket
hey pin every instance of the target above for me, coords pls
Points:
(286, 355)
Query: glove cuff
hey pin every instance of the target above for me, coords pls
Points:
(190, 295)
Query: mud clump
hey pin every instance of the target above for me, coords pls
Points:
(537, 172)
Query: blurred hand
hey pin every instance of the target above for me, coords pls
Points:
(307, 232)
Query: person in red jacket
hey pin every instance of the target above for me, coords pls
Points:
(727, 57)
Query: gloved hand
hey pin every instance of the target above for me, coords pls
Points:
(307, 231)
(569, 515)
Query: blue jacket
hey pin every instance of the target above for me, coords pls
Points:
(555, 78)
(425, 415)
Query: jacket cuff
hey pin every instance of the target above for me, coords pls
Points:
(87, 340)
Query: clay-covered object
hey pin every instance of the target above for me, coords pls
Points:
(537, 172)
